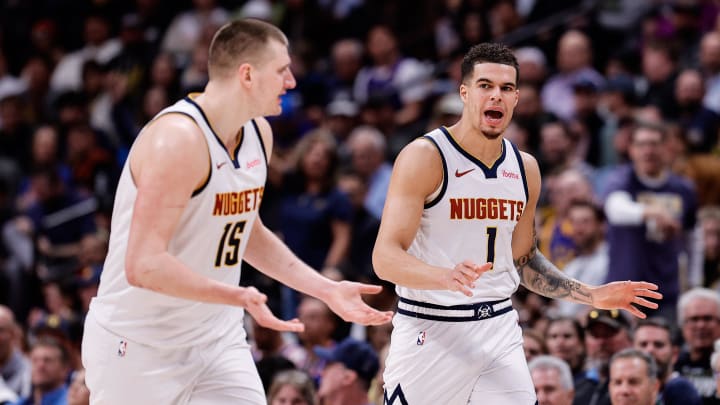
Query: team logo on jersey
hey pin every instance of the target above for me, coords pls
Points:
(122, 348)
(421, 338)
(460, 174)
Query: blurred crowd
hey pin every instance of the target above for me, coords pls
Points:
(619, 102)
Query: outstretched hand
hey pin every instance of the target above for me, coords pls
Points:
(254, 303)
(345, 299)
(627, 295)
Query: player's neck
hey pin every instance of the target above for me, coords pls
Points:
(225, 114)
(483, 148)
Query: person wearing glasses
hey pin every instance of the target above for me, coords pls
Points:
(699, 320)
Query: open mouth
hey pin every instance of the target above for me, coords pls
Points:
(493, 117)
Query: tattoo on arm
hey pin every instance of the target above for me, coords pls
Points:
(538, 275)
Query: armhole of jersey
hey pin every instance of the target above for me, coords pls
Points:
(438, 194)
(262, 143)
(209, 174)
(522, 170)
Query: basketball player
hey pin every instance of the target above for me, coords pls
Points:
(166, 326)
(457, 238)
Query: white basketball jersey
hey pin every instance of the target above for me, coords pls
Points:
(472, 217)
(210, 239)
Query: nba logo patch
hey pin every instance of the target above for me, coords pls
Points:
(122, 348)
(421, 338)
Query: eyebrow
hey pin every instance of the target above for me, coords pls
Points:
(486, 80)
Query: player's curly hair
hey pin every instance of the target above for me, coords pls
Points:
(488, 52)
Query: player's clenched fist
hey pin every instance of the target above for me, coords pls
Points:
(462, 277)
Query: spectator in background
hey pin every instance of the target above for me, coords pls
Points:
(699, 319)
(590, 265)
(367, 148)
(346, 61)
(391, 75)
(292, 387)
(320, 326)
(533, 344)
(268, 342)
(608, 332)
(553, 381)
(341, 117)
(709, 59)
(659, 68)
(574, 61)
(14, 364)
(700, 123)
(532, 67)
(98, 46)
(555, 230)
(314, 213)
(633, 378)
(565, 338)
(49, 369)
(349, 369)
(654, 337)
(709, 218)
(650, 213)
(187, 28)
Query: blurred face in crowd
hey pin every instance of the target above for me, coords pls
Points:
(573, 52)
(710, 52)
(646, 152)
(288, 395)
(563, 341)
(602, 341)
(490, 95)
(549, 388)
(381, 45)
(532, 347)
(630, 383)
(586, 228)
(656, 342)
(335, 377)
(316, 162)
(318, 321)
(555, 143)
(711, 238)
(48, 370)
(689, 89)
(700, 325)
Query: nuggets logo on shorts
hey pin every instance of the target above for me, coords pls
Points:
(421, 338)
(122, 348)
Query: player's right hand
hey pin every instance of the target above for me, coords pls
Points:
(254, 303)
(462, 278)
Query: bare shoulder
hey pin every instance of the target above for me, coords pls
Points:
(168, 142)
(420, 166)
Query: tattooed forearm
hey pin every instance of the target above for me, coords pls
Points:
(540, 276)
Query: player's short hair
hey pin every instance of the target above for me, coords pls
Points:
(630, 353)
(488, 52)
(546, 362)
(238, 42)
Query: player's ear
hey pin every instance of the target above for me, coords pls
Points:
(463, 92)
(245, 73)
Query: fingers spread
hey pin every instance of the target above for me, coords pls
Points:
(636, 312)
(645, 303)
(649, 294)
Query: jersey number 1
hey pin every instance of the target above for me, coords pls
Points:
(228, 251)
(491, 233)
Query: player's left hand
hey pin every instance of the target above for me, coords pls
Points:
(345, 299)
(627, 295)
